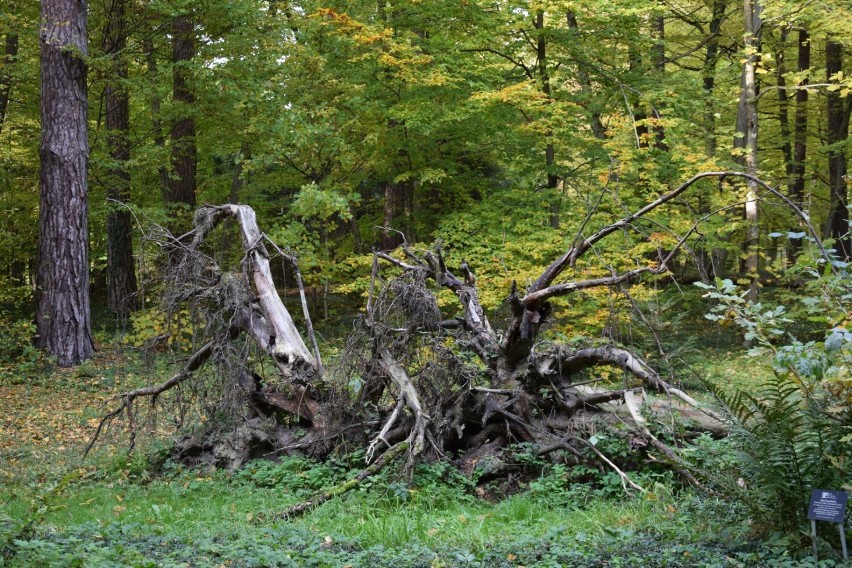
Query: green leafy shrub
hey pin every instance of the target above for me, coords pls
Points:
(155, 328)
(792, 434)
(19, 357)
(296, 475)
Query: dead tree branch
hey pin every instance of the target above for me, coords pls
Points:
(374, 468)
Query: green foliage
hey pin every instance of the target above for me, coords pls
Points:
(153, 328)
(296, 476)
(792, 432)
(19, 358)
(668, 544)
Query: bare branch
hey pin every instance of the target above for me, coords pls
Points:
(576, 251)
(192, 365)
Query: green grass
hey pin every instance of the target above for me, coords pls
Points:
(122, 512)
(441, 517)
(188, 504)
(190, 520)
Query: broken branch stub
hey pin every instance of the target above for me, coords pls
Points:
(288, 348)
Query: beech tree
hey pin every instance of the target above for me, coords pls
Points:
(63, 317)
(746, 139)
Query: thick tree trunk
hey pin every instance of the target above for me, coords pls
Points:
(10, 52)
(837, 132)
(180, 197)
(63, 317)
(121, 269)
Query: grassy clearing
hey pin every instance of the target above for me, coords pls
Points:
(209, 521)
(119, 513)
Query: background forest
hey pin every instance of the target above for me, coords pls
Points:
(499, 134)
(492, 126)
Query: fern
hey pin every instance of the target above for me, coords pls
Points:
(787, 445)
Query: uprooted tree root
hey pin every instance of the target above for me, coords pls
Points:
(429, 388)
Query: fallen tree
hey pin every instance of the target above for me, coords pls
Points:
(430, 387)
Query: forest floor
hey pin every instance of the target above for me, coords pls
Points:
(115, 509)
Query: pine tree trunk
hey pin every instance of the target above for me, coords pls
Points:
(838, 132)
(121, 269)
(63, 316)
(180, 198)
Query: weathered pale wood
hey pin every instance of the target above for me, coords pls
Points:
(288, 346)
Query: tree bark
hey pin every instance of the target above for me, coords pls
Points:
(837, 131)
(747, 127)
(549, 150)
(121, 269)
(10, 52)
(63, 316)
(180, 197)
(800, 132)
(711, 57)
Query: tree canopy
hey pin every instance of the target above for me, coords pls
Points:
(333, 119)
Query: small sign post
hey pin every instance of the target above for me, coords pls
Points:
(829, 506)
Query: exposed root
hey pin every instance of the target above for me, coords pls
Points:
(418, 388)
(381, 437)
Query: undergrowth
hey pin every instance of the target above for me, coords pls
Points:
(141, 509)
(184, 518)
